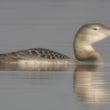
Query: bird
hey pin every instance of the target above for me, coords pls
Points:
(85, 37)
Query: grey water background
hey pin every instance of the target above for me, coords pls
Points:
(48, 24)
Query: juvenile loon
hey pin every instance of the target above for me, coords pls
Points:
(82, 44)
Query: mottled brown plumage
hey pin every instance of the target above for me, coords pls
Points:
(37, 53)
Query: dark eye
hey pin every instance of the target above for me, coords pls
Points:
(94, 28)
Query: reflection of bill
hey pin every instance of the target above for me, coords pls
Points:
(88, 84)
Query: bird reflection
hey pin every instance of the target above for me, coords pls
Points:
(88, 84)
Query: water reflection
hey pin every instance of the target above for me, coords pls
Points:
(88, 84)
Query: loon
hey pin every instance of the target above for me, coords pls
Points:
(87, 35)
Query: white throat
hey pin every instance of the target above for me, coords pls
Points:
(83, 46)
(83, 49)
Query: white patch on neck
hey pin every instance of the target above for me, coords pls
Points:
(87, 47)
(84, 47)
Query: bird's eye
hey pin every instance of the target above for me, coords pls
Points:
(94, 28)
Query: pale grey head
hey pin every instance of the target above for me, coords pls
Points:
(85, 37)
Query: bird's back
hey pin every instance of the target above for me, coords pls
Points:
(37, 53)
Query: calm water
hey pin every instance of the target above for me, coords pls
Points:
(52, 24)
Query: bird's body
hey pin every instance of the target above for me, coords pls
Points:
(87, 35)
(35, 59)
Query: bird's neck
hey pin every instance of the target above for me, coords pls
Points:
(84, 51)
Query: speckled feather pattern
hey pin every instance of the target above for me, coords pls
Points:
(38, 53)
